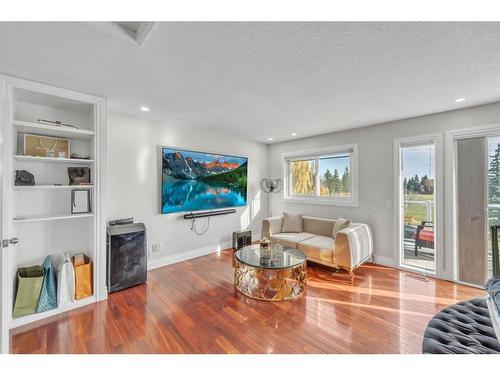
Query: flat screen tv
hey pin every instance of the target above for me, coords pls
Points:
(194, 181)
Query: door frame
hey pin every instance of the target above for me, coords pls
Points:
(440, 256)
(451, 223)
(5, 228)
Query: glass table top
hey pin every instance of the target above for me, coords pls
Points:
(272, 258)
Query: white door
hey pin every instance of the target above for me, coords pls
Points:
(4, 332)
(5, 294)
(4, 347)
(417, 178)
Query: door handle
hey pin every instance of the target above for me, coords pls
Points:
(11, 241)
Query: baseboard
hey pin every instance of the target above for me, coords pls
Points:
(186, 255)
(191, 254)
(383, 261)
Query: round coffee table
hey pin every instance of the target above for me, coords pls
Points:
(281, 276)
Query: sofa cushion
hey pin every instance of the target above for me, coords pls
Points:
(318, 247)
(291, 223)
(316, 225)
(339, 225)
(290, 239)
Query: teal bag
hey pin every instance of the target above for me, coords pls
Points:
(48, 295)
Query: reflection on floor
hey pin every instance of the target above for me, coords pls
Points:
(192, 307)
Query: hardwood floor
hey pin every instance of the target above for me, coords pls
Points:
(192, 307)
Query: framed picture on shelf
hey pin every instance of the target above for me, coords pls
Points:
(80, 201)
(79, 175)
(38, 145)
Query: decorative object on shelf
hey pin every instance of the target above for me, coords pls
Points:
(80, 201)
(48, 295)
(29, 285)
(127, 256)
(79, 175)
(74, 155)
(56, 123)
(241, 239)
(65, 281)
(270, 185)
(84, 286)
(24, 178)
(38, 145)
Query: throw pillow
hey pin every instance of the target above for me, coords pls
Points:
(339, 225)
(291, 223)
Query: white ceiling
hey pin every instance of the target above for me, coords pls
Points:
(260, 80)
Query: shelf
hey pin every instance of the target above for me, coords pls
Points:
(52, 130)
(45, 207)
(17, 322)
(52, 187)
(49, 217)
(52, 160)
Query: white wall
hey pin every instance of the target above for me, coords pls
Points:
(375, 167)
(134, 179)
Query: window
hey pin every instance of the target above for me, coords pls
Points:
(302, 174)
(325, 176)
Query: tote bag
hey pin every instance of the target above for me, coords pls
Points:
(65, 282)
(48, 296)
(29, 285)
(83, 276)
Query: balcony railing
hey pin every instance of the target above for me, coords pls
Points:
(424, 257)
(429, 207)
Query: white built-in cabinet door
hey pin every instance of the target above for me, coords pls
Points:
(4, 223)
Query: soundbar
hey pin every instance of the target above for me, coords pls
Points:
(208, 213)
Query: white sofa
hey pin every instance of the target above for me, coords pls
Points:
(351, 247)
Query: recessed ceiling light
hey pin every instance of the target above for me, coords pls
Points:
(144, 109)
(294, 134)
(460, 100)
(269, 139)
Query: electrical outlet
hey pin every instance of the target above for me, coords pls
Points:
(158, 248)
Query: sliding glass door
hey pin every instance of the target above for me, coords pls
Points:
(417, 205)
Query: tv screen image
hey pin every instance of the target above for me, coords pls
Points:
(194, 181)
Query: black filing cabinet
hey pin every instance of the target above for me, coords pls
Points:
(241, 239)
(126, 256)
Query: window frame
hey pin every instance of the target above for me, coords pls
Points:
(317, 154)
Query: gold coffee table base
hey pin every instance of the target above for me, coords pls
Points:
(266, 284)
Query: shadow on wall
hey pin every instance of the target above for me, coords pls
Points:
(142, 161)
(250, 213)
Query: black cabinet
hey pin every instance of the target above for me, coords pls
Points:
(241, 239)
(126, 256)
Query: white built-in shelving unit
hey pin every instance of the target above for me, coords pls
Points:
(40, 215)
